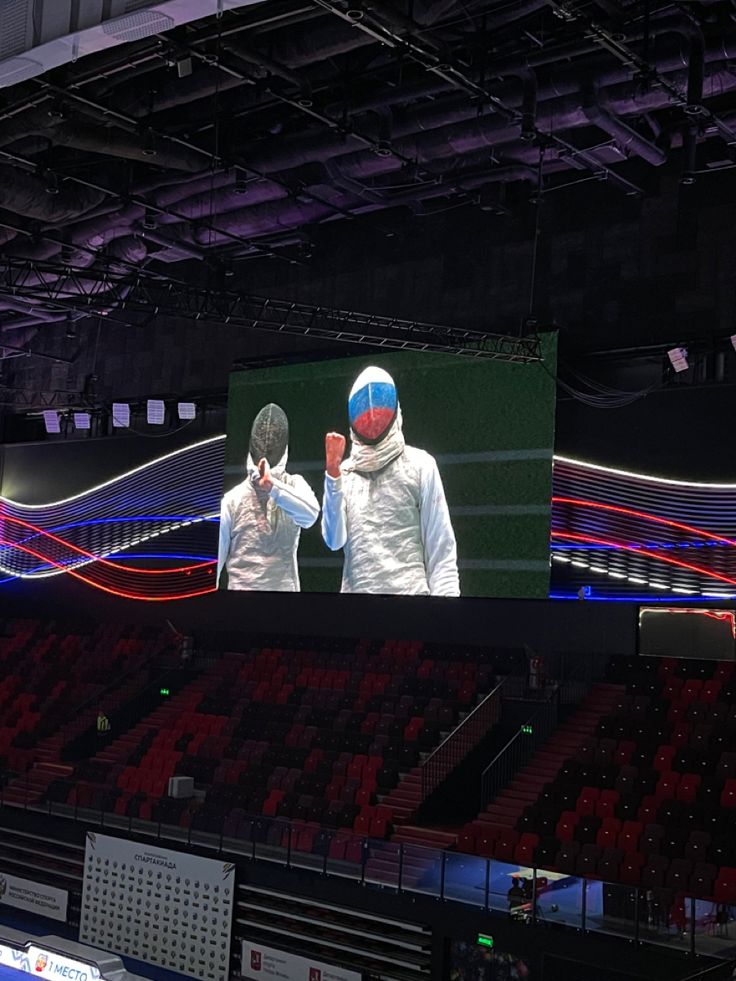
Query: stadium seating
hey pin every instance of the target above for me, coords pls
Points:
(54, 678)
(646, 798)
(313, 736)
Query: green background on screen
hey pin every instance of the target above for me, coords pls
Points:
(489, 424)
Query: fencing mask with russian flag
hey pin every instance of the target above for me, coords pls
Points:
(372, 405)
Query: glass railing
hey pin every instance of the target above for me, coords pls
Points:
(528, 894)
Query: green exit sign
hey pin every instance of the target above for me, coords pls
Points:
(483, 940)
(164, 691)
(527, 730)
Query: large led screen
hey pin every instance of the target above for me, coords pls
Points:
(408, 473)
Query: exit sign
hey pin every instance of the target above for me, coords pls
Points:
(483, 940)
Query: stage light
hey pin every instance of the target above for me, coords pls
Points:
(51, 421)
(81, 420)
(120, 415)
(187, 410)
(155, 412)
(241, 185)
(149, 219)
(149, 144)
(52, 183)
(305, 99)
(71, 327)
(56, 110)
(678, 359)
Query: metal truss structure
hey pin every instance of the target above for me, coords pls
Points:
(140, 298)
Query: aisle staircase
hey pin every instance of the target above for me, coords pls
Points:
(544, 766)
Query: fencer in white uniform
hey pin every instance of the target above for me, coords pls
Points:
(385, 505)
(262, 517)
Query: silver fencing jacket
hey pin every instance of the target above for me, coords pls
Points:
(394, 526)
(259, 530)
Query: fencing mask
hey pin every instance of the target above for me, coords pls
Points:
(269, 436)
(372, 405)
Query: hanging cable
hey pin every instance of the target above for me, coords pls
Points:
(535, 242)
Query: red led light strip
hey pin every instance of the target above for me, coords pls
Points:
(95, 558)
(630, 512)
(107, 589)
(725, 615)
(637, 550)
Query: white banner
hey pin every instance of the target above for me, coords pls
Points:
(159, 906)
(262, 963)
(33, 897)
(46, 964)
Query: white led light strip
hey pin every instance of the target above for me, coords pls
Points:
(641, 476)
(114, 480)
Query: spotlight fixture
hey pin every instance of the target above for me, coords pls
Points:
(81, 420)
(187, 410)
(71, 327)
(120, 415)
(149, 219)
(149, 145)
(678, 359)
(305, 99)
(56, 110)
(241, 185)
(382, 148)
(52, 183)
(155, 412)
(492, 199)
(51, 421)
(528, 132)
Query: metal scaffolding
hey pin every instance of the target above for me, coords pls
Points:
(126, 298)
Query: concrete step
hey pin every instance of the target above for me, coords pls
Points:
(429, 837)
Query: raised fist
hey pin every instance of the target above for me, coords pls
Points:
(265, 471)
(334, 452)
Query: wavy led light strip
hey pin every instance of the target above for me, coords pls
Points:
(612, 527)
(176, 495)
(634, 475)
(623, 526)
(173, 455)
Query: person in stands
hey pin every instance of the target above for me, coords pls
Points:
(103, 723)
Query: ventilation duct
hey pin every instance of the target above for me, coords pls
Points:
(38, 35)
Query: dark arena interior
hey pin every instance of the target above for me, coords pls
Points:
(367, 490)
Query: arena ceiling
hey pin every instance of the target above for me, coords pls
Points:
(147, 157)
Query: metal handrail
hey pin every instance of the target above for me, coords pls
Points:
(458, 743)
(706, 970)
(519, 748)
